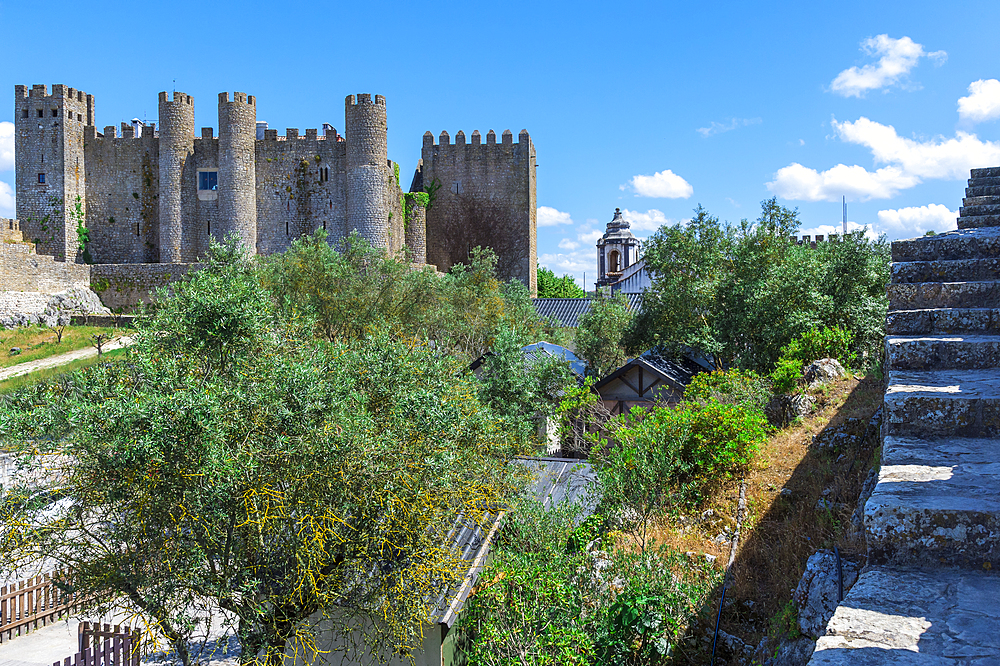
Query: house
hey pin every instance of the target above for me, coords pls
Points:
(554, 481)
(649, 379)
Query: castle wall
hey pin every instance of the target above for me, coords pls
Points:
(201, 226)
(48, 139)
(237, 172)
(486, 196)
(175, 170)
(21, 269)
(369, 200)
(300, 187)
(125, 286)
(123, 195)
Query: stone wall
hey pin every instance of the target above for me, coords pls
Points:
(485, 196)
(126, 285)
(123, 196)
(21, 269)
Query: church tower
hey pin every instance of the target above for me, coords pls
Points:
(617, 249)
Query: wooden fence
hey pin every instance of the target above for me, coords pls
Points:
(32, 603)
(118, 646)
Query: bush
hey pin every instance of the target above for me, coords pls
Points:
(730, 387)
(812, 345)
(665, 459)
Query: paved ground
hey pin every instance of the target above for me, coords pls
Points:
(61, 359)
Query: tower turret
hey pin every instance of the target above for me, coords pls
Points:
(176, 171)
(237, 168)
(368, 174)
(617, 249)
(50, 173)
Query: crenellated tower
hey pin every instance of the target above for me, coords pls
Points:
(237, 169)
(368, 175)
(50, 171)
(176, 150)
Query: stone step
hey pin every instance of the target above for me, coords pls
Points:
(961, 270)
(943, 320)
(984, 209)
(921, 295)
(936, 502)
(985, 172)
(943, 403)
(978, 190)
(914, 617)
(980, 200)
(978, 221)
(953, 245)
(984, 181)
(943, 352)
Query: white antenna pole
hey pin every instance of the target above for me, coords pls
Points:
(845, 215)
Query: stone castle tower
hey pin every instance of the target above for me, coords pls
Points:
(149, 195)
(617, 249)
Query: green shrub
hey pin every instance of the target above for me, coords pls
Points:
(664, 459)
(812, 345)
(742, 387)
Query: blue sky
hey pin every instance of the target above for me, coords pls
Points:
(649, 106)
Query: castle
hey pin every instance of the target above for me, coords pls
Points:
(142, 194)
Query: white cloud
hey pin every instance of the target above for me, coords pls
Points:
(897, 57)
(651, 220)
(662, 185)
(719, 128)
(983, 102)
(550, 217)
(567, 244)
(6, 200)
(6, 146)
(590, 238)
(828, 230)
(916, 220)
(909, 162)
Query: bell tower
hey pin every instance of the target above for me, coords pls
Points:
(617, 249)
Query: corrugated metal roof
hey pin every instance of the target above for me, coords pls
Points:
(555, 481)
(567, 311)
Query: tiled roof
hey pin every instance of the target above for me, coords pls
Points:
(677, 372)
(567, 311)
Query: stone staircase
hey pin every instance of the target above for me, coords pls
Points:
(931, 592)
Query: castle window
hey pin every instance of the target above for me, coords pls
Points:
(41, 113)
(24, 114)
(456, 187)
(55, 113)
(69, 114)
(79, 117)
(41, 179)
(208, 180)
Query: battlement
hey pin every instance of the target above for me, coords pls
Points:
(364, 98)
(60, 93)
(810, 240)
(207, 133)
(179, 98)
(238, 98)
(507, 138)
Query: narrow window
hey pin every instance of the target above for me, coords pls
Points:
(208, 180)
(614, 262)
(286, 227)
(136, 229)
(69, 114)
(55, 113)
(41, 179)
(324, 225)
(41, 113)
(79, 117)
(208, 227)
(24, 114)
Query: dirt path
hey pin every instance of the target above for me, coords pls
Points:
(61, 359)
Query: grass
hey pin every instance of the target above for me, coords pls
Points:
(15, 383)
(37, 342)
(779, 531)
